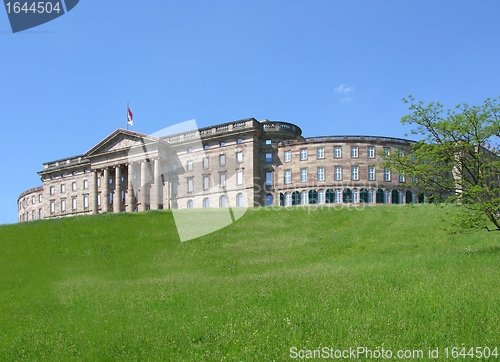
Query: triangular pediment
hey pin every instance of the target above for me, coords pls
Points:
(120, 140)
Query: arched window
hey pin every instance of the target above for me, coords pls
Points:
(269, 200)
(239, 200)
(387, 196)
(321, 196)
(288, 199)
(380, 196)
(338, 196)
(421, 198)
(206, 203)
(303, 198)
(347, 196)
(330, 196)
(313, 197)
(363, 195)
(223, 201)
(409, 197)
(355, 196)
(395, 196)
(296, 198)
(371, 196)
(190, 204)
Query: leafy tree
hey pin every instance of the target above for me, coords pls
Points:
(457, 159)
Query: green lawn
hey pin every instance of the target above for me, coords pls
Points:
(123, 287)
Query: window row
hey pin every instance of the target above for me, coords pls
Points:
(26, 216)
(338, 174)
(222, 181)
(221, 144)
(337, 152)
(346, 195)
(206, 162)
(223, 202)
(73, 203)
(26, 201)
(74, 173)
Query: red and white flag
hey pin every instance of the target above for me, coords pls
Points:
(130, 117)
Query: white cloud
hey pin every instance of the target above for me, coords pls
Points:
(346, 99)
(342, 89)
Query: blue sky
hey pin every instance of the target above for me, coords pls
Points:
(330, 67)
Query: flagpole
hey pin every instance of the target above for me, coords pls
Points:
(126, 118)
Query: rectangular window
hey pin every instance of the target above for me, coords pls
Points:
(288, 156)
(33, 200)
(40, 198)
(205, 162)
(303, 154)
(387, 151)
(354, 172)
(269, 178)
(63, 205)
(222, 180)
(401, 178)
(85, 184)
(222, 143)
(337, 152)
(63, 188)
(371, 152)
(52, 207)
(354, 151)
(401, 153)
(99, 199)
(239, 157)
(288, 176)
(73, 186)
(85, 201)
(99, 181)
(321, 152)
(222, 160)
(33, 215)
(303, 175)
(269, 157)
(111, 198)
(40, 214)
(239, 141)
(239, 177)
(174, 188)
(268, 142)
(387, 175)
(206, 182)
(321, 174)
(190, 187)
(190, 165)
(73, 203)
(371, 173)
(338, 173)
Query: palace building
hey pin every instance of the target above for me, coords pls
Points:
(242, 163)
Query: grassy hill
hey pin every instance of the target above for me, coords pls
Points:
(122, 286)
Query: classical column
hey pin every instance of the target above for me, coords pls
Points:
(156, 187)
(130, 188)
(93, 193)
(105, 191)
(117, 198)
(143, 193)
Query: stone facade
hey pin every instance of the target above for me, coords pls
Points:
(242, 163)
